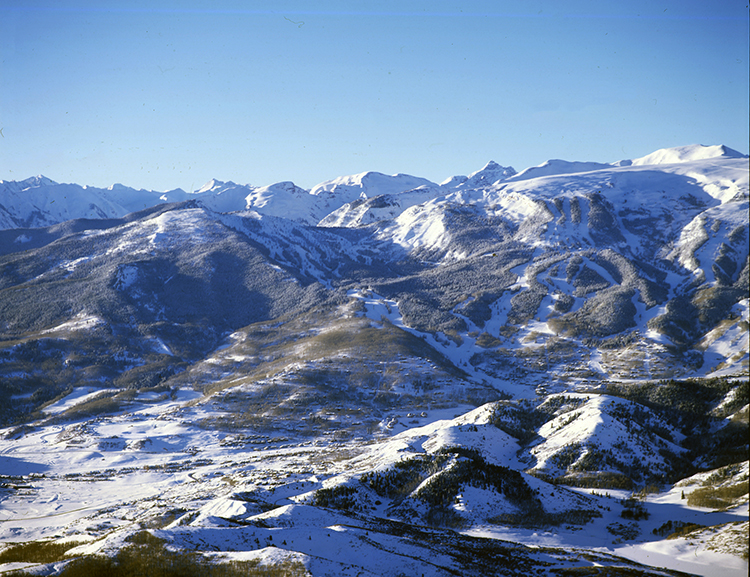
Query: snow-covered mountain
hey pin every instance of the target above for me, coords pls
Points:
(39, 201)
(501, 374)
(492, 173)
(688, 153)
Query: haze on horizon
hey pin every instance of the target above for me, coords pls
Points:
(160, 95)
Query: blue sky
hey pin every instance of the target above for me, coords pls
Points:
(162, 95)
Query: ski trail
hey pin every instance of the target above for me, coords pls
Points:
(378, 308)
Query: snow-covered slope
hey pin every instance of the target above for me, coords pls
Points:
(688, 153)
(283, 199)
(558, 167)
(603, 434)
(286, 200)
(364, 211)
(365, 198)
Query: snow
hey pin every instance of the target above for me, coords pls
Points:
(267, 556)
(78, 396)
(557, 167)
(471, 430)
(685, 555)
(381, 207)
(213, 185)
(223, 196)
(694, 554)
(325, 549)
(126, 276)
(676, 554)
(490, 175)
(285, 199)
(80, 322)
(688, 153)
(412, 210)
(728, 345)
(596, 423)
(378, 308)
(417, 228)
(368, 184)
(184, 225)
(107, 476)
(161, 347)
(223, 508)
(40, 201)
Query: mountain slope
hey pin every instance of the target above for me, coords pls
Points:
(618, 271)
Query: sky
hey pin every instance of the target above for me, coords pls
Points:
(161, 95)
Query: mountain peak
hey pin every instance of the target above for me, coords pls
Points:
(689, 153)
(38, 180)
(284, 187)
(215, 185)
(490, 174)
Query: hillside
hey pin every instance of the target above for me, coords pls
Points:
(511, 373)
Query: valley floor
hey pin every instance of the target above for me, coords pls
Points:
(95, 482)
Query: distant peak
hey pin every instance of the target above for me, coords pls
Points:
(370, 183)
(555, 167)
(38, 180)
(284, 187)
(491, 173)
(454, 181)
(213, 184)
(688, 153)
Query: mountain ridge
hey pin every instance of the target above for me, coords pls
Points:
(630, 240)
(283, 198)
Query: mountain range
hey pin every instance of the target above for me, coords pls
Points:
(395, 363)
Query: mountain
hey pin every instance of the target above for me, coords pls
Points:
(39, 201)
(492, 173)
(29, 203)
(557, 167)
(687, 154)
(368, 184)
(505, 373)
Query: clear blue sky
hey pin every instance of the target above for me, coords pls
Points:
(163, 95)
